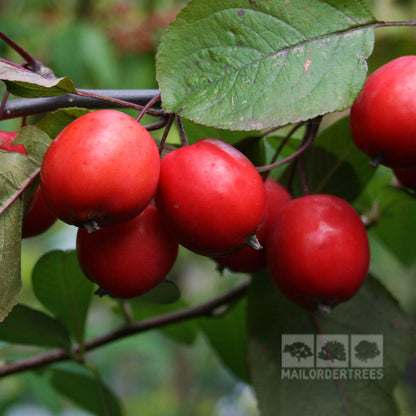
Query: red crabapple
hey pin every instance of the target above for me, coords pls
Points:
(383, 117)
(130, 258)
(318, 251)
(211, 197)
(101, 169)
(248, 260)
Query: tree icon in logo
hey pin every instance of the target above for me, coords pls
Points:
(366, 350)
(298, 350)
(333, 350)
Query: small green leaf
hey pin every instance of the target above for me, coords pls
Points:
(17, 182)
(366, 391)
(28, 326)
(24, 83)
(62, 288)
(396, 225)
(53, 123)
(87, 391)
(249, 65)
(227, 335)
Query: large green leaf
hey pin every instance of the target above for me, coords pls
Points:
(25, 83)
(10, 237)
(362, 389)
(28, 326)
(87, 390)
(62, 288)
(248, 65)
(17, 182)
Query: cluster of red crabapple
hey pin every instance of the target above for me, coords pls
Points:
(103, 173)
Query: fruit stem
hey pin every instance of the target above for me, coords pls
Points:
(182, 134)
(146, 108)
(169, 123)
(253, 242)
(281, 146)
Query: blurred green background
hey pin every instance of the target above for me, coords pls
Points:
(111, 44)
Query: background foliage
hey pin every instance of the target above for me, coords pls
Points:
(112, 44)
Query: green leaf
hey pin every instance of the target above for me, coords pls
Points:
(396, 226)
(10, 252)
(62, 288)
(371, 311)
(28, 326)
(54, 122)
(334, 165)
(87, 391)
(24, 83)
(17, 174)
(227, 335)
(249, 65)
(197, 132)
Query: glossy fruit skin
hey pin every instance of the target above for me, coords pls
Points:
(103, 169)
(210, 196)
(248, 260)
(128, 259)
(6, 142)
(406, 177)
(317, 251)
(38, 218)
(383, 121)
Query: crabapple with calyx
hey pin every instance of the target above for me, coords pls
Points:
(101, 169)
(211, 197)
(130, 258)
(248, 260)
(317, 251)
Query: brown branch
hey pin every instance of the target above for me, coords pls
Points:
(207, 309)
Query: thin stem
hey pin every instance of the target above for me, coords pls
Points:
(32, 62)
(117, 101)
(169, 123)
(281, 146)
(182, 134)
(207, 308)
(158, 125)
(146, 108)
(303, 175)
(309, 137)
(4, 101)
